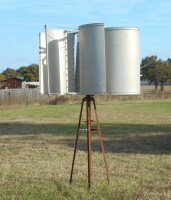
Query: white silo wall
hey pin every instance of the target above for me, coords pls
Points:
(92, 59)
(43, 71)
(77, 70)
(71, 61)
(56, 60)
(122, 61)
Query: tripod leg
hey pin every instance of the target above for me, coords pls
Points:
(104, 155)
(88, 111)
(76, 141)
(101, 140)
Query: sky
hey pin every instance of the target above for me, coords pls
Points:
(22, 20)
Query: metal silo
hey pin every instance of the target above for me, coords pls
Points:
(122, 51)
(43, 71)
(56, 60)
(92, 59)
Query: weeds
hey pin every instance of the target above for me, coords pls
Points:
(27, 97)
(37, 144)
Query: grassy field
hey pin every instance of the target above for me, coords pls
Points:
(37, 143)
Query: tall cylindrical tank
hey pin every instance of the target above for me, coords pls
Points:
(92, 59)
(56, 60)
(122, 51)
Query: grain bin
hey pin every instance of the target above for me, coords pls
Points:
(92, 59)
(122, 61)
(56, 60)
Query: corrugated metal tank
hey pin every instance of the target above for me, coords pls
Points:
(92, 59)
(122, 61)
(43, 71)
(56, 60)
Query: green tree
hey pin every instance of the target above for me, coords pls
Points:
(2, 77)
(148, 65)
(163, 73)
(34, 72)
(155, 71)
(9, 72)
(30, 73)
(169, 61)
(22, 71)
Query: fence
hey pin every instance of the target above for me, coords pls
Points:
(31, 96)
(21, 96)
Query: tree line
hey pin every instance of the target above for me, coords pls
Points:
(29, 73)
(153, 70)
(156, 71)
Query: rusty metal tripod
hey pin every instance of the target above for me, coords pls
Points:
(88, 99)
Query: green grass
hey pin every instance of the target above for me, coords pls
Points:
(37, 143)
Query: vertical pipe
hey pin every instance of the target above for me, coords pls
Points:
(47, 62)
(88, 107)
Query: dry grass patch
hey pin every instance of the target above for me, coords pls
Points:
(36, 153)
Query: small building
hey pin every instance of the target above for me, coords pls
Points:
(30, 84)
(13, 82)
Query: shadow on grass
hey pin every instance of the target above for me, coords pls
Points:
(118, 138)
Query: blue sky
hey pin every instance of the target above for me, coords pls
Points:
(22, 20)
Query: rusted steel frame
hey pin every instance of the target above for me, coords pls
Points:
(88, 112)
(88, 100)
(76, 141)
(101, 140)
